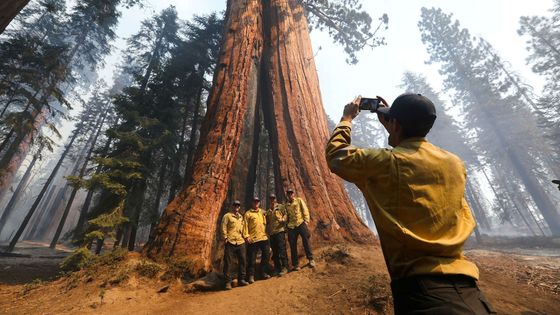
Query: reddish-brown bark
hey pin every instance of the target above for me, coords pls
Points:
(298, 125)
(187, 226)
(280, 78)
(8, 10)
(17, 151)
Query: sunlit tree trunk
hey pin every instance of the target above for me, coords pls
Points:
(265, 61)
(188, 223)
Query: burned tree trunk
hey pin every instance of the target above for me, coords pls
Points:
(8, 10)
(266, 64)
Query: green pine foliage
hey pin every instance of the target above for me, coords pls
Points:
(170, 66)
(347, 23)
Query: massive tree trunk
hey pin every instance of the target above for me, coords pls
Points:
(266, 64)
(298, 125)
(8, 10)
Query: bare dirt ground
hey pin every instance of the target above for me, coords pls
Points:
(347, 280)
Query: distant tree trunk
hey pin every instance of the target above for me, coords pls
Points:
(19, 190)
(134, 205)
(191, 148)
(44, 220)
(17, 151)
(159, 192)
(80, 174)
(99, 246)
(80, 227)
(479, 213)
(176, 162)
(30, 212)
(43, 208)
(8, 10)
(279, 64)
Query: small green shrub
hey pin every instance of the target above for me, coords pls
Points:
(121, 275)
(113, 257)
(148, 269)
(77, 260)
(177, 269)
(31, 286)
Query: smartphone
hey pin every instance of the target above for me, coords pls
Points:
(371, 104)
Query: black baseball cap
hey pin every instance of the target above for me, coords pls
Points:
(415, 112)
(289, 190)
(236, 203)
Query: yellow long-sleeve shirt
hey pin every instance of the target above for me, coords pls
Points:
(297, 212)
(255, 225)
(416, 196)
(276, 219)
(232, 228)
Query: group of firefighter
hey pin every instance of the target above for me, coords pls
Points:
(258, 230)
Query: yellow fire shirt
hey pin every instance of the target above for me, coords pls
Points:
(276, 219)
(255, 225)
(232, 228)
(297, 212)
(416, 196)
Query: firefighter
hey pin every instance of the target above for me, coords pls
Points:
(416, 195)
(255, 234)
(232, 233)
(276, 218)
(298, 221)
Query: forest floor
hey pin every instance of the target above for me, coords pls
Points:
(348, 280)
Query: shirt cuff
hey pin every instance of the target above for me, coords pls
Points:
(344, 124)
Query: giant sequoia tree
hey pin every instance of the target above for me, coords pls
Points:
(265, 76)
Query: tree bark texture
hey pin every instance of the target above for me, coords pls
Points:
(266, 63)
(297, 123)
(187, 226)
(8, 10)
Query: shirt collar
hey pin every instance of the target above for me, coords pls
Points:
(412, 141)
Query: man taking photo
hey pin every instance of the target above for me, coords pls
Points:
(415, 192)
